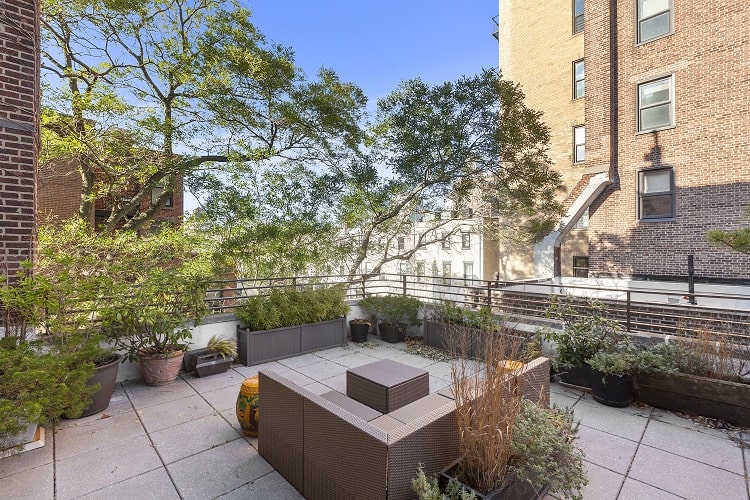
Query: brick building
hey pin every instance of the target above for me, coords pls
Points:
(19, 126)
(667, 122)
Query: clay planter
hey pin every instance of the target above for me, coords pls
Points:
(106, 377)
(517, 489)
(161, 369)
(204, 363)
(612, 390)
(709, 397)
(359, 330)
(391, 333)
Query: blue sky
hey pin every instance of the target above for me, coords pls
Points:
(377, 44)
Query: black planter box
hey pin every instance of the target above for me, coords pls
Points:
(203, 363)
(391, 333)
(518, 489)
(576, 376)
(611, 390)
(359, 331)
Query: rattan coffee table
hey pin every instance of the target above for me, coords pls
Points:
(386, 385)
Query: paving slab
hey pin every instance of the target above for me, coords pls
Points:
(317, 388)
(606, 450)
(153, 485)
(272, 486)
(118, 403)
(684, 477)
(604, 484)
(29, 484)
(296, 377)
(337, 383)
(142, 395)
(88, 472)
(95, 434)
(636, 490)
(218, 471)
(251, 371)
(303, 360)
(611, 420)
(183, 440)
(213, 382)
(336, 352)
(440, 369)
(706, 448)
(222, 399)
(414, 360)
(354, 360)
(29, 459)
(175, 412)
(322, 370)
(438, 384)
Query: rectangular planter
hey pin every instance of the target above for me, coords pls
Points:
(438, 335)
(729, 401)
(516, 490)
(204, 363)
(256, 347)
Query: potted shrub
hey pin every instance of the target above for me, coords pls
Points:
(215, 358)
(509, 447)
(585, 331)
(287, 322)
(359, 328)
(394, 313)
(448, 316)
(612, 377)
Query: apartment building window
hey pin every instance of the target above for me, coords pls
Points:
(403, 268)
(446, 272)
(579, 81)
(157, 191)
(579, 144)
(577, 16)
(656, 104)
(581, 267)
(465, 241)
(654, 19)
(420, 268)
(446, 241)
(401, 242)
(656, 194)
(468, 272)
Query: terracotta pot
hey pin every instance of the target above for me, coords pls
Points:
(161, 369)
(106, 377)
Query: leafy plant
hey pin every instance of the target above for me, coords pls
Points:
(454, 314)
(392, 309)
(586, 330)
(429, 489)
(284, 307)
(219, 345)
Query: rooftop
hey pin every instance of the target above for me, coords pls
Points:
(183, 441)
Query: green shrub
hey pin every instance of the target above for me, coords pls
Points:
(284, 307)
(392, 309)
(456, 315)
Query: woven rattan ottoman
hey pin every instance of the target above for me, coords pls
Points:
(386, 385)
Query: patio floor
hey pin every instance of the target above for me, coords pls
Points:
(183, 441)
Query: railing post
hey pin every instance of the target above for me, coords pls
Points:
(403, 284)
(364, 290)
(489, 294)
(627, 317)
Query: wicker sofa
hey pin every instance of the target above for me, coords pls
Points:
(330, 446)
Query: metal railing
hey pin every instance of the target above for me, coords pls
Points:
(652, 311)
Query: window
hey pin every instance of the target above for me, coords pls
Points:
(655, 104)
(577, 16)
(656, 197)
(579, 82)
(156, 192)
(654, 19)
(401, 242)
(446, 241)
(579, 144)
(583, 221)
(446, 272)
(465, 241)
(420, 268)
(403, 268)
(581, 267)
(468, 272)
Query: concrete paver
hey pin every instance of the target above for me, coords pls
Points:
(183, 441)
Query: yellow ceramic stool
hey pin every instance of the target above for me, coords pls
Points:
(247, 407)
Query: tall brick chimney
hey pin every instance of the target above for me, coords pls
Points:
(19, 131)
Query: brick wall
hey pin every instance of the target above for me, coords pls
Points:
(708, 149)
(19, 100)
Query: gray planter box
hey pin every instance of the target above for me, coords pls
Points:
(438, 334)
(256, 347)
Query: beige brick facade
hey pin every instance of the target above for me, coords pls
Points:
(19, 126)
(707, 148)
(537, 50)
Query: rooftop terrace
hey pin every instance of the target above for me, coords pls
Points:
(183, 441)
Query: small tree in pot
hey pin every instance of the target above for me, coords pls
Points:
(394, 313)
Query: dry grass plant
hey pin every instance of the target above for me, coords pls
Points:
(714, 354)
(488, 401)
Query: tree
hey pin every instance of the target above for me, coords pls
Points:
(143, 91)
(472, 138)
(738, 239)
